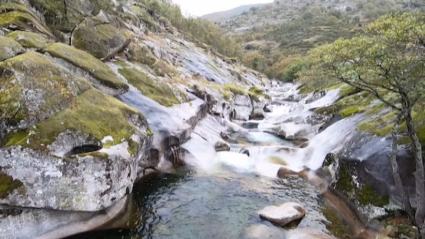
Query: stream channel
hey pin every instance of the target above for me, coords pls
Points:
(220, 196)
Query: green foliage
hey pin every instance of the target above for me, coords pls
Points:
(290, 73)
(196, 29)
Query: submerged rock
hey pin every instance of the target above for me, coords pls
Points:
(260, 231)
(283, 214)
(304, 233)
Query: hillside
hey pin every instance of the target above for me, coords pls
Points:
(224, 15)
(277, 34)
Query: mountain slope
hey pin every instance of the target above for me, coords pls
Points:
(224, 15)
(277, 34)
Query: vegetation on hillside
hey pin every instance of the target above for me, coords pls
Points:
(386, 61)
(196, 29)
(276, 36)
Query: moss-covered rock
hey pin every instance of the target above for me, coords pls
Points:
(91, 113)
(29, 39)
(96, 68)
(35, 87)
(102, 40)
(8, 184)
(162, 68)
(256, 93)
(349, 103)
(9, 48)
(74, 171)
(235, 89)
(140, 54)
(23, 21)
(355, 190)
(158, 91)
(64, 18)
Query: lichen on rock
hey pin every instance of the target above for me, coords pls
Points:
(29, 39)
(9, 48)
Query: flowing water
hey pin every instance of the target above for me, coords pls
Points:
(223, 199)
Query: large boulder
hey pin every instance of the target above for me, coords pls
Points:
(283, 214)
(103, 77)
(64, 17)
(9, 48)
(99, 38)
(65, 145)
(29, 39)
(79, 159)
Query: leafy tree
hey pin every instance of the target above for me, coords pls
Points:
(388, 59)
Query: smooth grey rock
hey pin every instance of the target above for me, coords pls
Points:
(283, 214)
(242, 106)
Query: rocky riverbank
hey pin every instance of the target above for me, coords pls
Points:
(109, 97)
(88, 112)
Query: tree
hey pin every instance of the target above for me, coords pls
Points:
(387, 60)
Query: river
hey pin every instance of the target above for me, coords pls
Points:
(220, 196)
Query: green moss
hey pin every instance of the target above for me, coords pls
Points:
(29, 39)
(121, 63)
(149, 132)
(366, 195)
(17, 138)
(133, 147)
(23, 20)
(35, 71)
(7, 185)
(345, 182)
(235, 89)
(160, 92)
(96, 154)
(140, 54)
(87, 62)
(92, 112)
(256, 93)
(9, 48)
(98, 40)
(349, 111)
(347, 91)
(161, 68)
(10, 7)
(328, 110)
